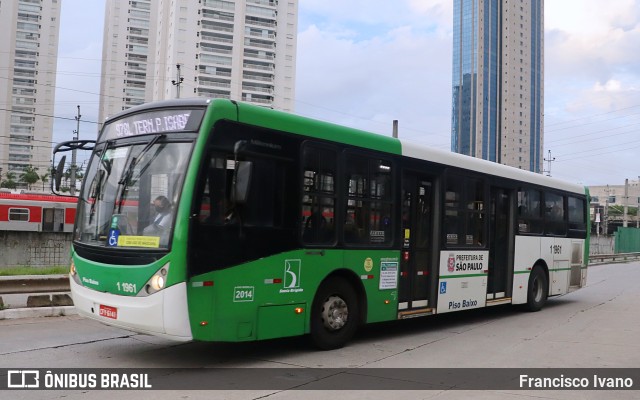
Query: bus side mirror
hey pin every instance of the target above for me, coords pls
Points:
(57, 172)
(57, 175)
(241, 182)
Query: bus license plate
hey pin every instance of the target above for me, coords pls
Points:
(108, 312)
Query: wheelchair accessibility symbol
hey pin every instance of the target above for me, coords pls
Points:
(113, 237)
(443, 287)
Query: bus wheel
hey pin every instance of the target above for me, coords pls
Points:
(538, 289)
(334, 314)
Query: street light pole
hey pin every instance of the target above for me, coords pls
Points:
(178, 81)
(76, 135)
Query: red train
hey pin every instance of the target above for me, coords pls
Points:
(36, 212)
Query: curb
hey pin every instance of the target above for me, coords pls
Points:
(37, 312)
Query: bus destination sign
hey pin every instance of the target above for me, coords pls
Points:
(153, 123)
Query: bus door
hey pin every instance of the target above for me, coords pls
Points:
(415, 267)
(500, 244)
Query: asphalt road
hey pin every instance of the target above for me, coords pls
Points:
(595, 327)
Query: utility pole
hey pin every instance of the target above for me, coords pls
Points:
(395, 128)
(178, 81)
(625, 223)
(72, 175)
(549, 160)
(606, 213)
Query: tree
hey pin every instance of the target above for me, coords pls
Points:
(9, 182)
(30, 176)
(44, 178)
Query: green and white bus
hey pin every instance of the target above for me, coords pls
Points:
(268, 224)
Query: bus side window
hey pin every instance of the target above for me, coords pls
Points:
(369, 201)
(577, 216)
(529, 211)
(554, 214)
(464, 223)
(319, 167)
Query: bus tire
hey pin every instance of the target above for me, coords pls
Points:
(538, 289)
(334, 314)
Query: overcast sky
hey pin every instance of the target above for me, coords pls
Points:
(364, 63)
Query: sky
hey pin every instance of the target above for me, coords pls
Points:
(364, 63)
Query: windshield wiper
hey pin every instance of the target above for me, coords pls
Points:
(123, 183)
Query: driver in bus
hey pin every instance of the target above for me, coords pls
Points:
(162, 221)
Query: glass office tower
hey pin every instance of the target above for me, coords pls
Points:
(498, 83)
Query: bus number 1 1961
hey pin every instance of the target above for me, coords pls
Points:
(127, 287)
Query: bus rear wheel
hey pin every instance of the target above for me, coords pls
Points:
(538, 289)
(334, 314)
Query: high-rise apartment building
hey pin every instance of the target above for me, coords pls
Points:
(498, 85)
(28, 59)
(241, 50)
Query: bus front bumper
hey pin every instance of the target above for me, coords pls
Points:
(163, 313)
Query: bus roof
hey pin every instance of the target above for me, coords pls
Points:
(487, 167)
(288, 122)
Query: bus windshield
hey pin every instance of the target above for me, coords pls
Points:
(131, 193)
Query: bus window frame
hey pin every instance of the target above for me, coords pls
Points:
(336, 196)
(550, 222)
(348, 151)
(463, 212)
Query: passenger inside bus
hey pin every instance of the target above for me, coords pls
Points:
(161, 224)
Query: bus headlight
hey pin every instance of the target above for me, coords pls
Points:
(73, 273)
(157, 281)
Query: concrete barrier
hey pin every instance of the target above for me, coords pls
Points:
(34, 284)
(613, 258)
(35, 296)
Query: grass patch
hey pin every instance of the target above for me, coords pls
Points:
(55, 270)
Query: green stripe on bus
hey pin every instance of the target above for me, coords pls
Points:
(461, 276)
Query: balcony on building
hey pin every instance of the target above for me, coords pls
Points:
(136, 76)
(261, 12)
(264, 34)
(262, 22)
(214, 71)
(266, 3)
(219, 4)
(212, 93)
(257, 99)
(28, 17)
(135, 40)
(258, 66)
(28, 26)
(24, 82)
(140, 5)
(216, 26)
(216, 48)
(218, 15)
(26, 54)
(261, 44)
(216, 37)
(257, 88)
(20, 149)
(134, 66)
(262, 55)
(258, 77)
(141, 32)
(132, 101)
(136, 57)
(24, 64)
(214, 83)
(16, 137)
(139, 23)
(214, 60)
